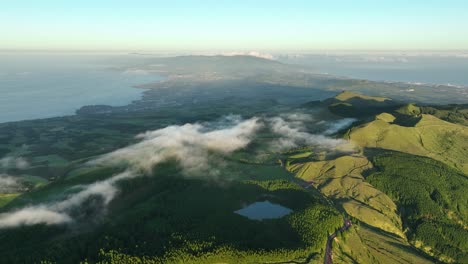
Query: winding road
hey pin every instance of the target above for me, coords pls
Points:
(328, 250)
(346, 224)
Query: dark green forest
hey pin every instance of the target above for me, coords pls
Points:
(432, 200)
(167, 216)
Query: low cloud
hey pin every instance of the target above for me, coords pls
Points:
(338, 125)
(9, 184)
(190, 145)
(193, 146)
(298, 119)
(106, 189)
(32, 216)
(10, 162)
(293, 133)
(60, 212)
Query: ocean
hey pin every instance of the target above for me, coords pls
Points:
(47, 85)
(434, 69)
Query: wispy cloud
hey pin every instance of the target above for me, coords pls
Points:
(32, 216)
(293, 133)
(11, 162)
(338, 125)
(193, 146)
(60, 212)
(190, 145)
(9, 184)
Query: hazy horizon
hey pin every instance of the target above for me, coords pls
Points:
(223, 131)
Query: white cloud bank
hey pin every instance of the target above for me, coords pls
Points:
(189, 144)
(293, 133)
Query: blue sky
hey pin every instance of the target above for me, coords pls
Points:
(234, 25)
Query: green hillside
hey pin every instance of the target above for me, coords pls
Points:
(451, 113)
(174, 219)
(341, 180)
(409, 199)
(364, 244)
(168, 216)
(349, 96)
(430, 137)
(350, 104)
(432, 200)
(380, 237)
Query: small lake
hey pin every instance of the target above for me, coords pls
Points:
(264, 210)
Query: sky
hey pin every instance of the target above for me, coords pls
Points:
(177, 25)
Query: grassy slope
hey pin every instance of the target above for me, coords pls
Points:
(452, 113)
(431, 199)
(7, 198)
(412, 130)
(348, 95)
(380, 239)
(341, 180)
(362, 244)
(349, 104)
(430, 137)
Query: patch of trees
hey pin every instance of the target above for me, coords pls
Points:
(432, 200)
(452, 113)
(167, 218)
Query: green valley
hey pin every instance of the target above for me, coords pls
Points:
(363, 178)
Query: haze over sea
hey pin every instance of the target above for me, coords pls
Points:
(429, 69)
(47, 85)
